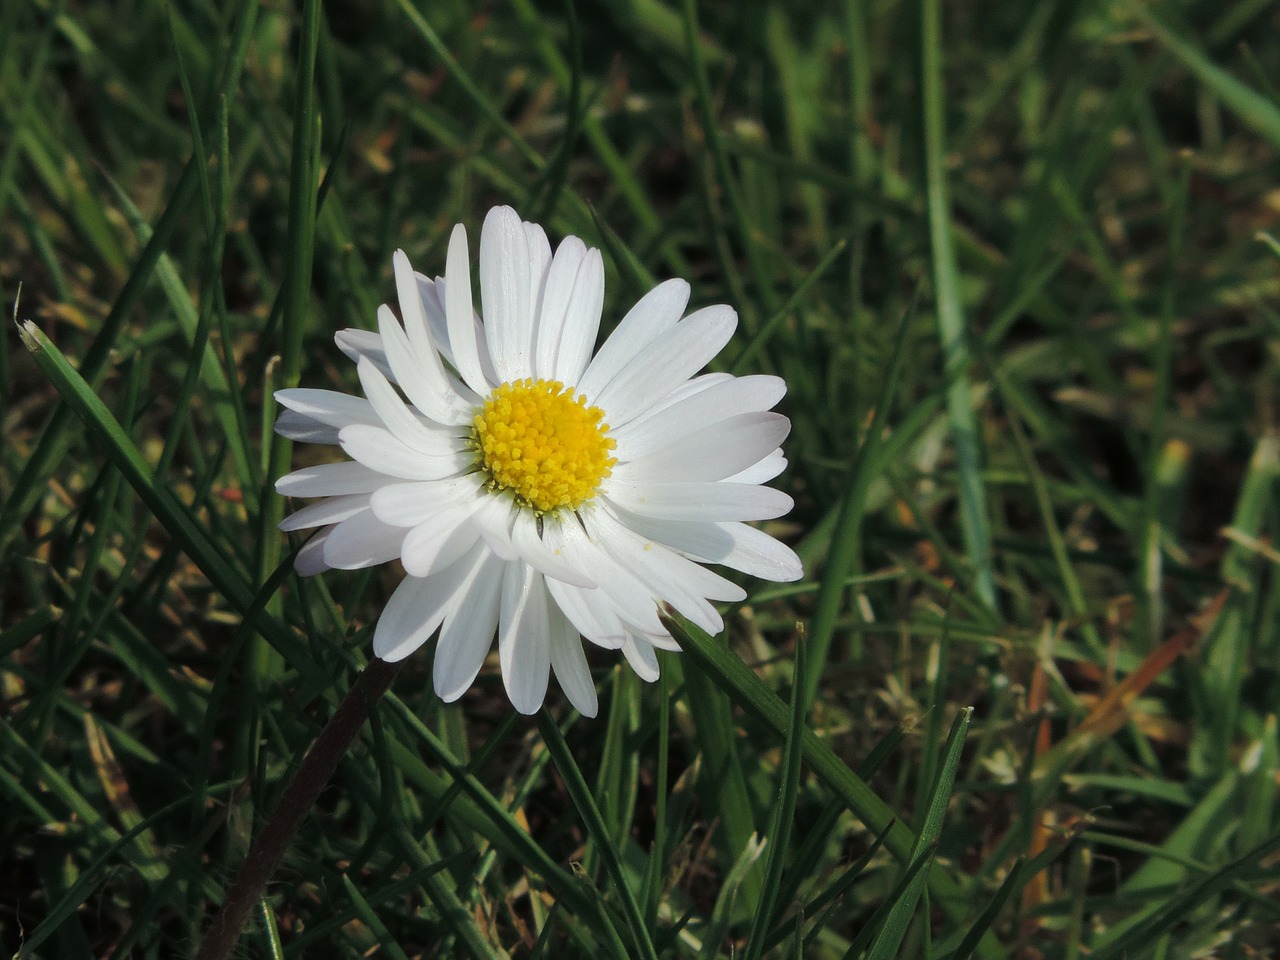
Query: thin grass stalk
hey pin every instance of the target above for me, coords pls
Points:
(299, 797)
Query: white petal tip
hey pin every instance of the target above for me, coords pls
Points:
(791, 572)
(527, 707)
(392, 650)
(450, 694)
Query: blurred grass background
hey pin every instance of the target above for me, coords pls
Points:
(1014, 262)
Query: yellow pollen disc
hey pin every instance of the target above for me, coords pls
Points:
(536, 439)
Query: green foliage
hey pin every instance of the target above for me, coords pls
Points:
(1013, 260)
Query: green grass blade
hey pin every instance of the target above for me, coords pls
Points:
(748, 234)
(1249, 105)
(747, 691)
(1012, 883)
(723, 785)
(951, 323)
(590, 813)
(885, 946)
(55, 439)
(843, 557)
(771, 326)
(778, 838)
(1175, 910)
(366, 913)
(301, 238)
(84, 885)
(270, 930)
(85, 403)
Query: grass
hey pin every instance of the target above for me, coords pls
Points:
(1017, 264)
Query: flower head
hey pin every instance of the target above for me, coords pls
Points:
(530, 489)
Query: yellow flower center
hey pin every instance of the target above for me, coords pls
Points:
(545, 445)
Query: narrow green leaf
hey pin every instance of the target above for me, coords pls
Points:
(749, 692)
(784, 810)
(55, 439)
(1012, 883)
(1249, 105)
(843, 557)
(85, 403)
(270, 930)
(885, 946)
(951, 324)
(379, 929)
(590, 813)
(723, 783)
(1174, 911)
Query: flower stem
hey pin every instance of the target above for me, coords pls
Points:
(313, 774)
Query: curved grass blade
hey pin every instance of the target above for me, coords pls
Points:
(748, 691)
(885, 946)
(843, 558)
(779, 835)
(1249, 105)
(594, 822)
(989, 913)
(371, 920)
(221, 572)
(54, 440)
(951, 325)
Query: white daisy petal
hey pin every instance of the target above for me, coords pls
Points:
(664, 574)
(327, 406)
(310, 559)
(539, 247)
(671, 566)
(523, 644)
(437, 292)
(666, 363)
(385, 452)
(761, 472)
(393, 413)
(412, 309)
(733, 545)
(494, 520)
(557, 297)
(418, 606)
(569, 663)
(468, 631)
(661, 641)
(639, 653)
(582, 320)
(653, 315)
(459, 311)
(420, 375)
(362, 541)
(699, 501)
(629, 599)
(437, 322)
(712, 402)
(364, 343)
(712, 453)
(578, 319)
(409, 504)
(440, 541)
(328, 510)
(504, 293)
(330, 480)
(690, 388)
(540, 556)
(590, 612)
(302, 429)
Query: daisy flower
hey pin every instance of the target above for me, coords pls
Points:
(530, 489)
